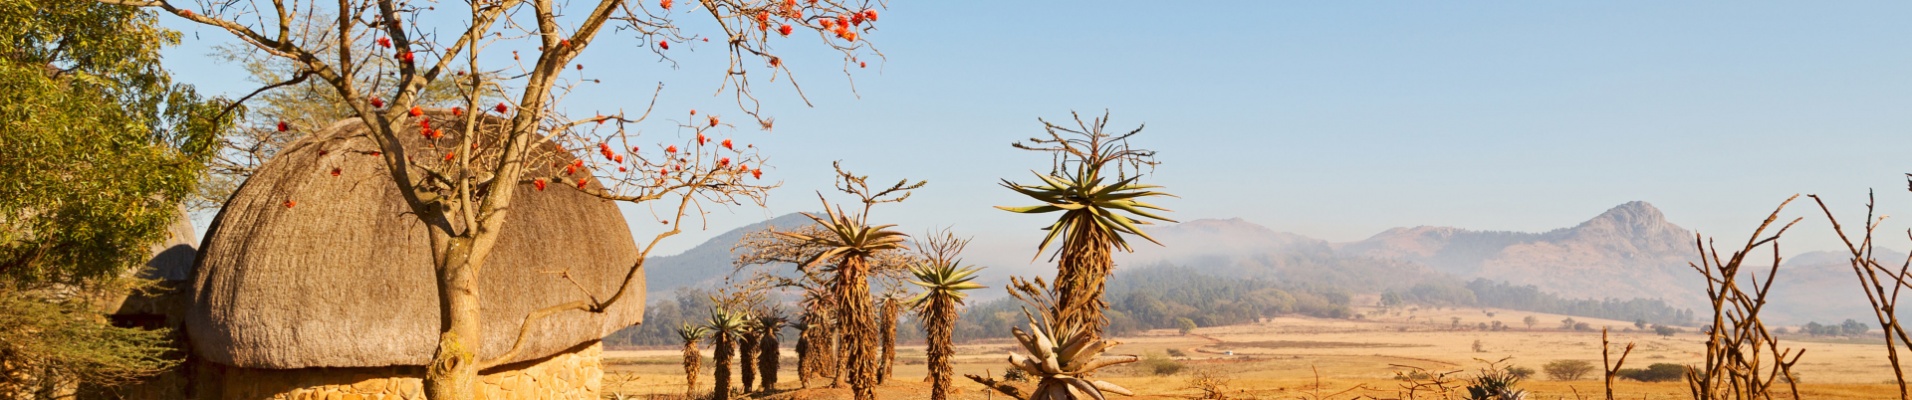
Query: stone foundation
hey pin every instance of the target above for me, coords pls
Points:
(575, 374)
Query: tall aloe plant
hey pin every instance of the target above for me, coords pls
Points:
(848, 244)
(767, 358)
(1095, 184)
(725, 326)
(944, 283)
(692, 360)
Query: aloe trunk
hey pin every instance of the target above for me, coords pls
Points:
(692, 363)
(1081, 277)
(852, 289)
(726, 344)
(746, 358)
(940, 318)
(767, 360)
(888, 327)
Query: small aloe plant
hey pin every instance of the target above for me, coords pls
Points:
(1062, 356)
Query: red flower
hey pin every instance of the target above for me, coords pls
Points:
(843, 21)
(619, 159)
(723, 162)
(633, 149)
(620, 168)
(378, 102)
(539, 183)
(775, 62)
(860, 64)
(502, 108)
(665, 44)
(701, 139)
(741, 167)
(405, 56)
(869, 15)
(785, 29)
(322, 152)
(187, 13)
(282, 126)
(581, 182)
(450, 155)
(290, 203)
(564, 42)
(827, 23)
(664, 3)
(851, 36)
(570, 169)
(601, 119)
(457, 111)
(756, 173)
(727, 144)
(376, 154)
(416, 111)
(385, 42)
(713, 120)
(335, 171)
(763, 17)
(856, 19)
(671, 149)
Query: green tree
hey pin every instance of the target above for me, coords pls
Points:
(1184, 325)
(1094, 181)
(98, 148)
(944, 281)
(1530, 321)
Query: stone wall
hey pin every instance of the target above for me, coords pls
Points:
(574, 374)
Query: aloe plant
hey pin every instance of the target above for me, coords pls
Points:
(944, 283)
(725, 326)
(1098, 207)
(692, 360)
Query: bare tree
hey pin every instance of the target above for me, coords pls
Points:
(1738, 343)
(1880, 283)
(463, 191)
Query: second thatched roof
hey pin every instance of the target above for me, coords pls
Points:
(317, 262)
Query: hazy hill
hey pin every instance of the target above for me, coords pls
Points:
(1238, 248)
(708, 262)
(1629, 251)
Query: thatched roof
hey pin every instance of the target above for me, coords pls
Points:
(303, 268)
(171, 265)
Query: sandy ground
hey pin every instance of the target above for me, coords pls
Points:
(1310, 358)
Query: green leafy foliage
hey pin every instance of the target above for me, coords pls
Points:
(97, 145)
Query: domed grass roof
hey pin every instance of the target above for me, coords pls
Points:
(316, 261)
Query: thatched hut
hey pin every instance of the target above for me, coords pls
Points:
(316, 282)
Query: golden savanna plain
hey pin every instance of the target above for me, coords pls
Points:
(1316, 358)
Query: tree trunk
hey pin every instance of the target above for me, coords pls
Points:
(888, 327)
(453, 372)
(939, 318)
(1080, 278)
(725, 346)
(692, 362)
(858, 328)
(747, 358)
(767, 360)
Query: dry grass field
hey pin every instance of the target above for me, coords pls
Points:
(1310, 358)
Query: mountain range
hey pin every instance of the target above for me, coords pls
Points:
(1627, 252)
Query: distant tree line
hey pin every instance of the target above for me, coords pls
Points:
(1487, 293)
(1166, 297)
(1849, 328)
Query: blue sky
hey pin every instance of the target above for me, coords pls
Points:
(1331, 119)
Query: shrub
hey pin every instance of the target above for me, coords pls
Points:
(1520, 372)
(1567, 370)
(1660, 372)
(1668, 331)
(1015, 375)
(1177, 353)
(1158, 364)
